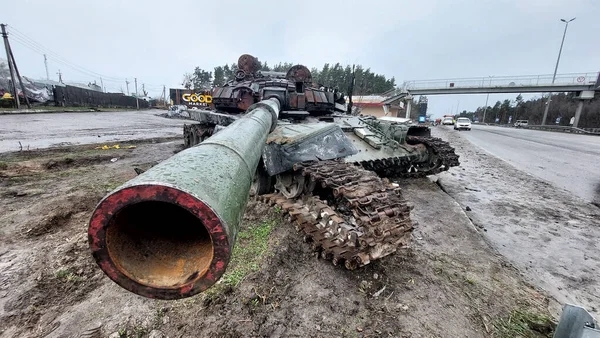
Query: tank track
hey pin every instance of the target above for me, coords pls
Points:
(443, 158)
(349, 214)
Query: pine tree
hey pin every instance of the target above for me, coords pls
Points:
(334, 75)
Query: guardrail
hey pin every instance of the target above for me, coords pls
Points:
(565, 129)
(592, 130)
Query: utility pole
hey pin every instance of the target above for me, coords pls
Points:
(19, 77)
(127, 83)
(11, 58)
(555, 69)
(164, 95)
(10, 67)
(486, 105)
(137, 103)
(59, 76)
(46, 65)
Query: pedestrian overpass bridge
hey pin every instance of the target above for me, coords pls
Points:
(584, 84)
(572, 82)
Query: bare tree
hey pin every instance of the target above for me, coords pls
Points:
(4, 74)
(187, 81)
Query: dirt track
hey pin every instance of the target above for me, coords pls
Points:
(449, 284)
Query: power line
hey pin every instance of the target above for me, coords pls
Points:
(93, 75)
(59, 60)
(24, 40)
(42, 52)
(41, 47)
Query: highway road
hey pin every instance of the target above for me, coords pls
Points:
(59, 129)
(569, 161)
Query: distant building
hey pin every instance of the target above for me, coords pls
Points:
(94, 86)
(49, 83)
(373, 105)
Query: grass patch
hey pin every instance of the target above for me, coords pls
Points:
(250, 249)
(110, 186)
(521, 323)
(159, 315)
(133, 332)
(67, 276)
(251, 246)
(3, 165)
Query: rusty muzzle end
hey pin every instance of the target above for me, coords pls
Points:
(158, 241)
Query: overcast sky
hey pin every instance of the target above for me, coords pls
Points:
(157, 41)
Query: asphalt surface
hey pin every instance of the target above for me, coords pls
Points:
(568, 161)
(36, 131)
(550, 234)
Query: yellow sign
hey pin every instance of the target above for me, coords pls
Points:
(197, 98)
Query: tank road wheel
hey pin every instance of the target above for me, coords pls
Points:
(204, 131)
(187, 135)
(290, 185)
(261, 183)
(194, 134)
(195, 139)
(432, 163)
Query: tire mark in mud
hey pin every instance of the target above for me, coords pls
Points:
(474, 223)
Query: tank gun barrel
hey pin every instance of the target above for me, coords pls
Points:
(169, 232)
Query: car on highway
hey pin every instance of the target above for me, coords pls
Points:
(462, 123)
(448, 121)
(521, 123)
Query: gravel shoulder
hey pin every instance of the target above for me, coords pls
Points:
(551, 236)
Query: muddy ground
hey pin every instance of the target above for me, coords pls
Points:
(38, 131)
(450, 283)
(547, 232)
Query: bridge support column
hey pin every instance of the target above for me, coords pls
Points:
(578, 113)
(408, 104)
(546, 109)
(583, 95)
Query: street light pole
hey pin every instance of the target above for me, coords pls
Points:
(555, 69)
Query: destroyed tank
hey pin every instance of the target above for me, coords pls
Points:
(325, 167)
(169, 232)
